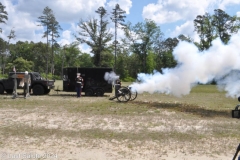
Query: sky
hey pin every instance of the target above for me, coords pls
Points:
(174, 17)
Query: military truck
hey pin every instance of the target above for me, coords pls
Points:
(38, 86)
(94, 82)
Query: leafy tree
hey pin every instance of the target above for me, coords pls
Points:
(3, 15)
(20, 64)
(224, 25)
(182, 37)
(95, 34)
(203, 26)
(220, 24)
(164, 51)
(107, 59)
(143, 38)
(169, 44)
(150, 62)
(117, 17)
(71, 53)
(39, 56)
(85, 60)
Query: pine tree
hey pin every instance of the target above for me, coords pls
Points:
(3, 15)
(117, 17)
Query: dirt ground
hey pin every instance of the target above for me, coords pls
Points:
(40, 130)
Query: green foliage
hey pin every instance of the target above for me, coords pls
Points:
(150, 62)
(20, 64)
(95, 34)
(85, 60)
(3, 76)
(128, 79)
(143, 37)
(220, 24)
(107, 59)
(50, 76)
(117, 17)
(3, 15)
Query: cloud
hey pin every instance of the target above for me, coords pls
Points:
(21, 23)
(187, 29)
(225, 3)
(238, 14)
(167, 11)
(64, 10)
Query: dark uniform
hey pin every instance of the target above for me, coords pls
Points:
(117, 87)
(79, 85)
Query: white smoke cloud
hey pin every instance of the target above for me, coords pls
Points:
(196, 67)
(111, 77)
(230, 83)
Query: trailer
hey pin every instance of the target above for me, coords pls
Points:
(94, 82)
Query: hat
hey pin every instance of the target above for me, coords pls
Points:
(26, 72)
(78, 74)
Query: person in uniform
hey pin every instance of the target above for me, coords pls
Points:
(79, 84)
(117, 86)
(27, 82)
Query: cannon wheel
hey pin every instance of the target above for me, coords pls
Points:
(133, 95)
(124, 94)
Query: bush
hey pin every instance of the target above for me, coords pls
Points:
(50, 76)
(3, 76)
(129, 79)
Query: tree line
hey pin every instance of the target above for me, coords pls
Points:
(142, 49)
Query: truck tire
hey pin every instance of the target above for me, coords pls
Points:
(1, 89)
(99, 92)
(89, 92)
(9, 91)
(47, 91)
(38, 90)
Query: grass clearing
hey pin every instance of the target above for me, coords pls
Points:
(165, 125)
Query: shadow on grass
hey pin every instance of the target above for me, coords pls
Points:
(73, 95)
(187, 108)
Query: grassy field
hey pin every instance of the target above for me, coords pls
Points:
(154, 126)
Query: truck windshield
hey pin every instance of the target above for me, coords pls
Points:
(37, 76)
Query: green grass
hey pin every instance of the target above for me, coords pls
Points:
(205, 102)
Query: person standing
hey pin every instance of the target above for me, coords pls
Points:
(27, 82)
(79, 84)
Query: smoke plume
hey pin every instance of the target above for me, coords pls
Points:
(111, 77)
(220, 63)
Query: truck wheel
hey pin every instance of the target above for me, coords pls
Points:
(1, 89)
(38, 90)
(47, 91)
(89, 92)
(99, 92)
(9, 91)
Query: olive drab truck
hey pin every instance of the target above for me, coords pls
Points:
(38, 86)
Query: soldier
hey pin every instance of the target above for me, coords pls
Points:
(79, 84)
(117, 86)
(15, 84)
(27, 82)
